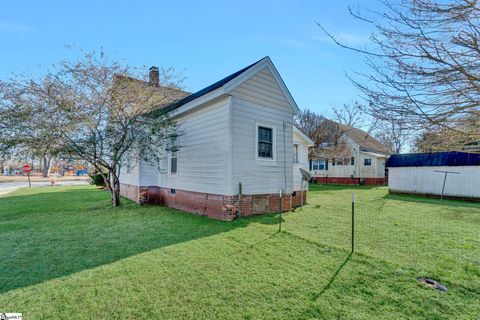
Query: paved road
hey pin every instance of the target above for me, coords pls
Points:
(6, 187)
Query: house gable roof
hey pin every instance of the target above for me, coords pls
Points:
(229, 83)
(364, 140)
(163, 95)
(303, 136)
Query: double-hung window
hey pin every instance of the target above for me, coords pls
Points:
(173, 162)
(367, 162)
(265, 142)
(295, 153)
(318, 165)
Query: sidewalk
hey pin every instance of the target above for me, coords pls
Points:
(6, 187)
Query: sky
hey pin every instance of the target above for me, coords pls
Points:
(203, 40)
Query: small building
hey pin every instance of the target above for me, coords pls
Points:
(361, 160)
(456, 173)
(238, 148)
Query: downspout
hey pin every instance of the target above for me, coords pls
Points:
(285, 155)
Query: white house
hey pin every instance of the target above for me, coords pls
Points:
(453, 174)
(239, 147)
(365, 163)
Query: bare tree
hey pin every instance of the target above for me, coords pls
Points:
(424, 63)
(392, 135)
(326, 135)
(95, 109)
(350, 114)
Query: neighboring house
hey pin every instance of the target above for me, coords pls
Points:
(424, 174)
(361, 161)
(237, 147)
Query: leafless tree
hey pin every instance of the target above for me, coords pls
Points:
(326, 135)
(350, 114)
(95, 109)
(392, 135)
(424, 61)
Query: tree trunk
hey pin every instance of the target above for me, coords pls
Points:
(115, 189)
(46, 166)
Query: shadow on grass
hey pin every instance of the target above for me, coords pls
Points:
(317, 187)
(332, 279)
(54, 233)
(434, 201)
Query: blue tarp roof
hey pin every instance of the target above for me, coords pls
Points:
(435, 159)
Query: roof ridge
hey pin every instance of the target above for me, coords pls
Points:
(147, 83)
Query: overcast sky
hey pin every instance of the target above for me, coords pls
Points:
(207, 40)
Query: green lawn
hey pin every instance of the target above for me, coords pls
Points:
(65, 254)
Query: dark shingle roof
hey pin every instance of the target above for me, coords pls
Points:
(208, 89)
(364, 140)
(434, 159)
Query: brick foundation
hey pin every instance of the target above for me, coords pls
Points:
(351, 181)
(212, 205)
(297, 198)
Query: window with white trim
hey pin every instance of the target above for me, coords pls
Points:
(129, 165)
(367, 162)
(173, 162)
(295, 153)
(265, 142)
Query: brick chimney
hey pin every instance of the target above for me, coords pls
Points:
(154, 76)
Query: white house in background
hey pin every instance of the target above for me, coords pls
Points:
(424, 174)
(239, 147)
(364, 165)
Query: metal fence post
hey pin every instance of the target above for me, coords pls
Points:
(353, 222)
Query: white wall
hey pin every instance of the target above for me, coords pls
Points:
(302, 162)
(424, 180)
(260, 100)
(376, 170)
(204, 155)
(358, 170)
(130, 176)
(340, 170)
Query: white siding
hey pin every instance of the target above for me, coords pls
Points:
(376, 170)
(424, 180)
(130, 177)
(342, 171)
(260, 100)
(204, 155)
(302, 163)
(358, 170)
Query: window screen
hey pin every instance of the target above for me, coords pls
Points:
(265, 142)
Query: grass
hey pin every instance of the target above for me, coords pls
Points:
(67, 255)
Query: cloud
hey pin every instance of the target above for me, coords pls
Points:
(6, 27)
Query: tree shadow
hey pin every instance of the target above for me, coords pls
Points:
(318, 187)
(51, 234)
(332, 279)
(430, 200)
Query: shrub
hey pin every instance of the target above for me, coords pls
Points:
(97, 179)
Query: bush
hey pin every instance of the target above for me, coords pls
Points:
(97, 179)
